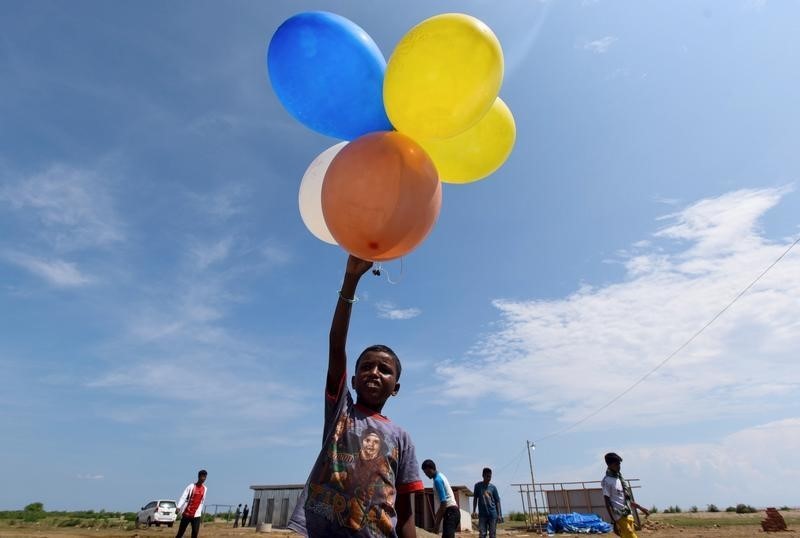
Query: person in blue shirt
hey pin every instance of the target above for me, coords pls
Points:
(448, 508)
(488, 502)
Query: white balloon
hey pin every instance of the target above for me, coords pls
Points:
(310, 198)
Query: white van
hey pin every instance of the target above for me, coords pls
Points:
(156, 513)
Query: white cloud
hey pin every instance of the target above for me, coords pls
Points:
(754, 5)
(69, 208)
(600, 46)
(219, 407)
(567, 357)
(90, 476)
(206, 254)
(57, 272)
(179, 351)
(223, 204)
(387, 310)
(740, 467)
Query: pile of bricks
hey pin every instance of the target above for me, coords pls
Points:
(774, 521)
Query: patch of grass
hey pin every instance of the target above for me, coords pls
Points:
(705, 519)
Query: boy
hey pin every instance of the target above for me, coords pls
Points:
(191, 503)
(487, 500)
(617, 495)
(448, 509)
(362, 480)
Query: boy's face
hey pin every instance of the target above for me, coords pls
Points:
(487, 477)
(615, 466)
(375, 379)
(430, 473)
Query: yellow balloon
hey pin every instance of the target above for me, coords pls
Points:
(478, 151)
(443, 76)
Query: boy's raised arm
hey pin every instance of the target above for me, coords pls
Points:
(337, 355)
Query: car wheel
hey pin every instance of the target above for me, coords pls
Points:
(169, 524)
(149, 523)
(137, 523)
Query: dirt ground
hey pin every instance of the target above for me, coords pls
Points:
(701, 525)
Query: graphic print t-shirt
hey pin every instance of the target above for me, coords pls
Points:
(612, 488)
(365, 461)
(487, 499)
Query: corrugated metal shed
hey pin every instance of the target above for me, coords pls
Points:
(274, 503)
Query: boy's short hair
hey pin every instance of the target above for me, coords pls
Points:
(612, 457)
(486, 470)
(428, 464)
(380, 348)
(202, 472)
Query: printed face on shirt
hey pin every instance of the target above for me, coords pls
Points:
(375, 379)
(370, 446)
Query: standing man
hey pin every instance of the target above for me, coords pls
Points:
(190, 506)
(245, 513)
(236, 516)
(488, 502)
(619, 501)
(448, 509)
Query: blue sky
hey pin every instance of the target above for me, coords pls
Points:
(163, 308)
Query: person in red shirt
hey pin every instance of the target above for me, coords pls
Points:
(190, 506)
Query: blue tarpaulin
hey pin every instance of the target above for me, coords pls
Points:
(577, 523)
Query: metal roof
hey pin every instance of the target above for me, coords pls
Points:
(279, 486)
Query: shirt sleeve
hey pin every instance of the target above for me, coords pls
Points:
(184, 497)
(495, 495)
(606, 488)
(408, 480)
(333, 404)
(438, 484)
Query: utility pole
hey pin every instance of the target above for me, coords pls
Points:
(530, 446)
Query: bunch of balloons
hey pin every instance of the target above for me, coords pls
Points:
(431, 114)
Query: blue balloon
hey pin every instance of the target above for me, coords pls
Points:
(328, 73)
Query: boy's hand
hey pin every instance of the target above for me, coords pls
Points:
(357, 266)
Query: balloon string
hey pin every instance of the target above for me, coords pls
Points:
(379, 269)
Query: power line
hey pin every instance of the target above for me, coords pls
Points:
(674, 353)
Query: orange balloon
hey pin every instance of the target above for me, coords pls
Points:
(381, 196)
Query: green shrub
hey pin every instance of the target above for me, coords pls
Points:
(745, 509)
(516, 516)
(654, 509)
(712, 508)
(35, 507)
(730, 509)
(784, 508)
(72, 522)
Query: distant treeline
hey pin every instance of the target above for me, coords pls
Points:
(35, 513)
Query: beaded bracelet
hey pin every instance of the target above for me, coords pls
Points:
(345, 299)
